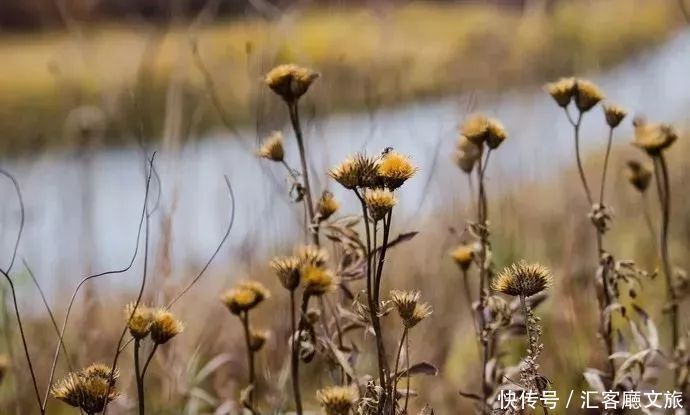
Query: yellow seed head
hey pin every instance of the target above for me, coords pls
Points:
(88, 389)
(522, 279)
(356, 171)
(336, 400)
(311, 255)
(463, 255)
(394, 169)
(561, 91)
(639, 175)
(653, 138)
(272, 147)
(379, 202)
(290, 81)
(327, 205)
(614, 114)
(140, 322)
(287, 271)
(165, 326)
(317, 280)
(421, 311)
(475, 128)
(495, 133)
(245, 296)
(587, 95)
(257, 339)
(405, 303)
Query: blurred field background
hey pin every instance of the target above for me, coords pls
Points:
(146, 74)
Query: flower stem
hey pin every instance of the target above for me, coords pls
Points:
(139, 377)
(250, 356)
(294, 358)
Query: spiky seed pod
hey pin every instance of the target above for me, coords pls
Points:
(394, 169)
(336, 400)
(165, 326)
(88, 389)
(639, 175)
(327, 205)
(139, 323)
(311, 255)
(379, 202)
(405, 303)
(272, 147)
(522, 279)
(244, 297)
(495, 133)
(463, 255)
(653, 138)
(421, 311)
(587, 95)
(290, 81)
(614, 114)
(317, 280)
(257, 339)
(287, 270)
(356, 171)
(562, 91)
(475, 128)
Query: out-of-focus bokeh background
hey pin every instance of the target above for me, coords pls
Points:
(143, 75)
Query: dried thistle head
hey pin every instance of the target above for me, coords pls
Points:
(290, 81)
(356, 171)
(495, 133)
(88, 389)
(138, 320)
(317, 280)
(463, 255)
(653, 138)
(272, 147)
(421, 311)
(522, 279)
(336, 400)
(311, 255)
(405, 303)
(614, 114)
(257, 339)
(245, 296)
(562, 91)
(165, 326)
(394, 169)
(475, 127)
(587, 95)
(287, 270)
(327, 205)
(468, 154)
(379, 202)
(639, 175)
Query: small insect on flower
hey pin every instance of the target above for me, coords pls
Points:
(245, 296)
(311, 255)
(463, 255)
(522, 279)
(165, 326)
(587, 95)
(394, 169)
(336, 400)
(287, 270)
(272, 147)
(653, 138)
(257, 339)
(356, 171)
(326, 206)
(317, 280)
(405, 303)
(639, 175)
(88, 389)
(379, 202)
(290, 81)
(562, 91)
(614, 114)
(138, 320)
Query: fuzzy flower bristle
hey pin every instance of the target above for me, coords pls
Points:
(356, 171)
(245, 296)
(287, 270)
(88, 389)
(495, 133)
(614, 114)
(379, 202)
(522, 279)
(474, 128)
(639, 175)
(290, 81)
(257, 339)
(405, 303)
(394, 169)
(463, 255)
(138, 320)
(653, 138)
(317, 280)
(336, 400)
(421, 311)
(311, 255)
(326, 206)
(587, 95)
(468, 154)
(272, 147)
(165, 326)
(562, 91)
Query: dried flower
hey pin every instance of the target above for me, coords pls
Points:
(327, 205)
(475, 128)
(522, 279)
(405, 303)
(244, 297)
(356, 171)
(468, 154)
(257, 339)
(639, 175)
(139, 320)
(336, 400)
(394, 169)
(287, 270)
(495, 133)
(311, 255)
(614, 114)
(272, 147)
(653, 138)
(421, 311)
(290, 81)
(562, 91)
(463, 255)
(317, 280)
(587, 95)
(165, 326)
(379, 202)
(88, 389)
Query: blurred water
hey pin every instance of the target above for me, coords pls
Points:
(83, 214)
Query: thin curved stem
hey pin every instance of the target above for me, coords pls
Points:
(250, 358)
(294, 357)
(606, 165)
(293, 109)
(139, 378)
(580, 167)
(397, 361)
(148, 360)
